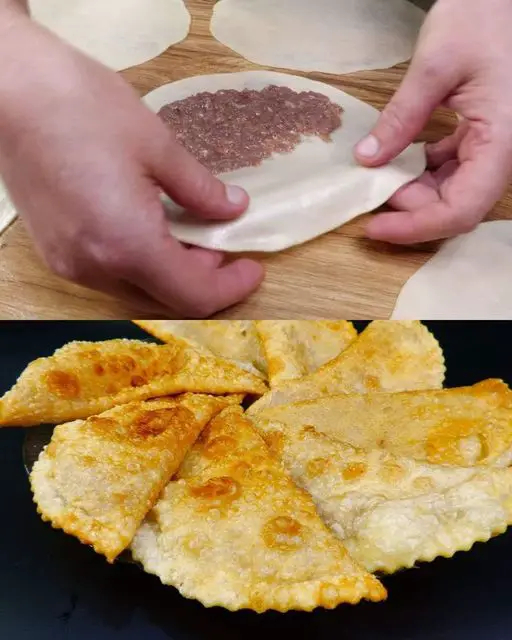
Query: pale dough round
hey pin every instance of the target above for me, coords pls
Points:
(468, 279)
(298, 196)
(7, 210)
(118, 33)
(332, 36)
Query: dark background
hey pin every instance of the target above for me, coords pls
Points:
(53, 588)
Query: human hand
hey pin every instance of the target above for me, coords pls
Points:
(463, 60)
(85, 162)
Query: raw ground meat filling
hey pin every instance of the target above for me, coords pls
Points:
(232, 129)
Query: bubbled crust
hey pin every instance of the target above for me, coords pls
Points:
(99, 477)
(234, 531)
(462, 426)
(86, 378)
(387, 356)
(392, 511)
(296, 348)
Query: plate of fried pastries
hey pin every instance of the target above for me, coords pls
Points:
(266, 465)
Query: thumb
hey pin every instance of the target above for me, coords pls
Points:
(423, 89)
(193, 187)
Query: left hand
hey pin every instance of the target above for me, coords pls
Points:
(463, 61)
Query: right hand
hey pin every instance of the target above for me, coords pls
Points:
(85, 161)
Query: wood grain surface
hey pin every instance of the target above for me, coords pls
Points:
(339, 275)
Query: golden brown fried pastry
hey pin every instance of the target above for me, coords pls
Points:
(99, 477)
(465, 426)
(234, 531)
(387, 356)
(234, 340)
(85, 378)
(296, 348)
(391, 511)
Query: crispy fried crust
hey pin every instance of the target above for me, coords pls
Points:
(387, 356)
(234, 531)
(98, 478)
(390, 511)
(296, 348)
(86, 378)
(465, 426)
(234, 340)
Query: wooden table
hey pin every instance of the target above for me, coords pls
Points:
(340, 275)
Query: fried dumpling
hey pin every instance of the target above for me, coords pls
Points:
(99, 477)
(234, 531)
(390, 511)
(296, 348)
(235, 340)
(387, 356)
(463, 426)
(85, 378)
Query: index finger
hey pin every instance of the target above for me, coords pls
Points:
(465, 198)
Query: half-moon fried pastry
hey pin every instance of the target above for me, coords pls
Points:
(296, 348)
(463, 426)
(85, 378)
(387, 356)
(390, 511)
(233, 530)
(99, 477)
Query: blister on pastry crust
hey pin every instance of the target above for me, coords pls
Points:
(85, 378)
(391, 511)
(234, 531)
(99, 477)
(462, 426)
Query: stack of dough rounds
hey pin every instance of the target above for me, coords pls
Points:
(332, 36)
(118, 33)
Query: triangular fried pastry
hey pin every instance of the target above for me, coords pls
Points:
(235, 340)
(391, 511)
(99, 477)
(234, 531)
(464, 426)
(296, 348)
(387, 356)
(85, 378)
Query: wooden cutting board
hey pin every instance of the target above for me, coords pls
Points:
(339, 275)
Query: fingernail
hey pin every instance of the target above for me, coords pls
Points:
(236, 195)
(368, 147)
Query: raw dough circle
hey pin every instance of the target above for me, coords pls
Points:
(468, 279)
(7, 210)
(118, 33)
(298, 196)
(332, 36)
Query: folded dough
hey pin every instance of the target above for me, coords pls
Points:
(391, 511)
(99, 477)
(85, 378)
(295, 348)
(464, 426)
(235, 340)
(234, 531)
(387, 356)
